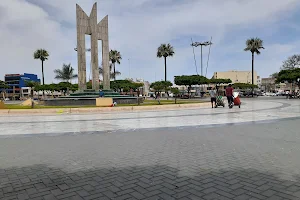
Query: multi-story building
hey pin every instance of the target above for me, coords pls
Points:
(268, 84)
(18, 81)
(237, 76)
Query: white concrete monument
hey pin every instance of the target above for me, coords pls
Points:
(98, 31)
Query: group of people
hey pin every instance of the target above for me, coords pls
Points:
(213, 95)
(292, 94)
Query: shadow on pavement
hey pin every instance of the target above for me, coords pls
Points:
(149, 182)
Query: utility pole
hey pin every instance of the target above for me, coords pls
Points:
(196, 44)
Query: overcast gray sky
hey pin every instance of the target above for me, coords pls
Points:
(138, 27)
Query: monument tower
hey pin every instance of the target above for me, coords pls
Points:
(87, 25)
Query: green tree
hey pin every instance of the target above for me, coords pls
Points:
(218, 82)
(160, 86)
(254, 45)
(32, 85)
(125, 85)
(64, 86)
(165, 50)
(188, 81)
(291, 63)
(66, 73)
(274, 75)
(3, 87)
(113, 75)
(42, 55)
(175, 92)
(290, 75)
(115, 57)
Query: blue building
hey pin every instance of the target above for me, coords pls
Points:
(17, 81)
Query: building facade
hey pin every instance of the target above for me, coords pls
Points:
(237, 76)
(18, 81)
(268, 84)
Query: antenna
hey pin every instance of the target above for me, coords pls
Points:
(194, 57)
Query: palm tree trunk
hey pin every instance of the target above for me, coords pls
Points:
(114, 71)
(165, 68)
(43, 77)
(252, 74)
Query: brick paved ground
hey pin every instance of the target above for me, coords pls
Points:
(242, 162)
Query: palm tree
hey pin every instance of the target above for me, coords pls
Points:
(112, 74)
(43, 55)
(115, 57)
(165, 50)
(254, 45)
(66, 73)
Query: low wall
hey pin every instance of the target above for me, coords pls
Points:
(89, 101)
(102, 109)
(70, 102)
(128, 100)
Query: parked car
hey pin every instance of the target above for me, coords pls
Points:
(270, 94)
(185, 96)
(249, 93)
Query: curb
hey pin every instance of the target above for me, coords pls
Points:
(100, 109)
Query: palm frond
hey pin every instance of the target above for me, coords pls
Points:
(115, 56)
(66, 73)
(254, 45)
(41, 54)
(165, 50)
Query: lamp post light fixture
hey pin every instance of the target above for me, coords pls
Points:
(196, 44)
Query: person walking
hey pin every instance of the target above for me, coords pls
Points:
(213, 97)
(229, 95)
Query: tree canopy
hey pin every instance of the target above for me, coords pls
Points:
(160, 86)
(290, 75)
(124, 85)
(274, 75)
(62, 86)
(291, 63)
(190, 80)
(115, 56)
(198, 80)
(254, 45)
(165, 50)
(244, 86)
(66, 73)
(219, 81)
(3, 85)
(41, 54)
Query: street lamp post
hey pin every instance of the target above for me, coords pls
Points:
(196, 44)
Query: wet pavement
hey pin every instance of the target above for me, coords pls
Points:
(247, 153)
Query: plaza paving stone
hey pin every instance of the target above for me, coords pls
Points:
(239, 159)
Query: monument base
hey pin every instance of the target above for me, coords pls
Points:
(89, 98)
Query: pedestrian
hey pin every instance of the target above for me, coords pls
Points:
(213, 97)
(229, 94)
(101, 93)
